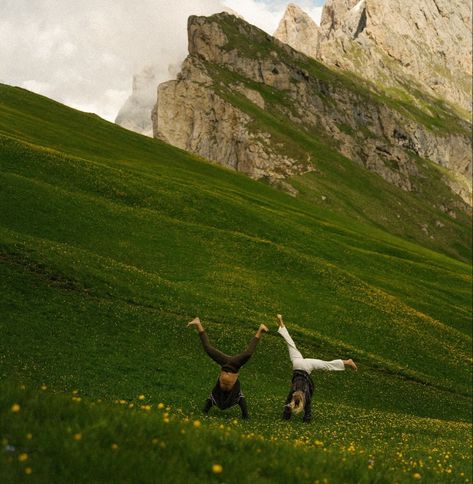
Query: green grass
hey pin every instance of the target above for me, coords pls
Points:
(110, 242)
(68, 436)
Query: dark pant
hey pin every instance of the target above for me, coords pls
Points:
(233, 363)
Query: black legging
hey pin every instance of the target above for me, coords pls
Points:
(228, 363)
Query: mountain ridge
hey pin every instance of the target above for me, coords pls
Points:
(396, 44)
(309, 89)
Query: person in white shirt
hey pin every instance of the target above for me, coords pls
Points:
(302, 387)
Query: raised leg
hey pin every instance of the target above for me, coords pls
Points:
(312, 364)
(216, 355)
(334, 365)
(239, 360)
(350, 363)
(294, 353)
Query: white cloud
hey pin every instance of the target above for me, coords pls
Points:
(85, 55)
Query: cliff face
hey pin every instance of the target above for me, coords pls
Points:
(192, 113)
(236, 76)
(397, 44)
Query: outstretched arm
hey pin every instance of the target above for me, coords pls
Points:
(287, 412)
(307, 409)
(243, 407)
(216, 355)
(208, 405)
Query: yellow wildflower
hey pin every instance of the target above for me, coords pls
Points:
(15, 408)
(217, 469)
(28, 470)
(77, 436)
(417, 476)
(23, 457)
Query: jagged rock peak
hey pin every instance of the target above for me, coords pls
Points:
(298, 30)
(335, 12)
(424, 45)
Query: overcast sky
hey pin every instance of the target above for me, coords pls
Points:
(84, 52)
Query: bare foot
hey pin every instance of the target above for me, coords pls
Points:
(280, 321)
(262, 329)
(196, 322)
(350, 363)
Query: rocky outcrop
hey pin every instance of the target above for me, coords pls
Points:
(397, 44)
(298, 30)
(195, 114)
(136, 113)
(191, 115)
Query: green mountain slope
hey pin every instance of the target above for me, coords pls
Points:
(242, 98)
(110, 242)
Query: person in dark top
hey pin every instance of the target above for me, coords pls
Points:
(302, 387)
(227, 391)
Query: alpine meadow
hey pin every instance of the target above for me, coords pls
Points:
(111, 242)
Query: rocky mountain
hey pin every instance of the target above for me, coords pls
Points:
(236, 78)
(298, 30)
(135, 114)
(399, 45)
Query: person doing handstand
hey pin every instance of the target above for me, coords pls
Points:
(302, 387)
(227, 391)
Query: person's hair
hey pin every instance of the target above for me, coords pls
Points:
(297, 403)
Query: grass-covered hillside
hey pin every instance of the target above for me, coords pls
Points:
(110, 242)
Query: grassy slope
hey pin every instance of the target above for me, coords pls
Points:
(110, 242)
